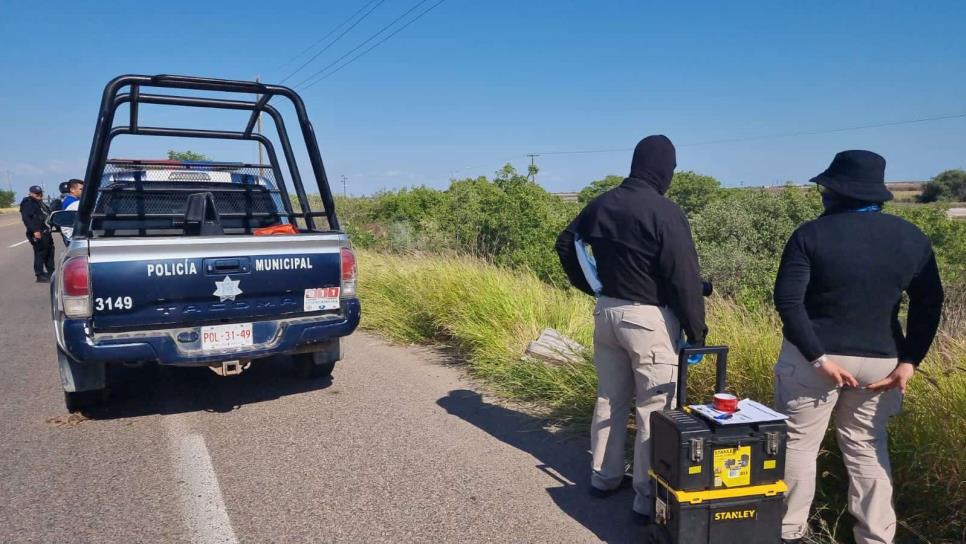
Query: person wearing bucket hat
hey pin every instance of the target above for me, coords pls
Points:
(838, 291)
(33, 213)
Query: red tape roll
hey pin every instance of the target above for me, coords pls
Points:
(724, 402)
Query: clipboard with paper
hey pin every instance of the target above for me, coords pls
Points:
(588, 265)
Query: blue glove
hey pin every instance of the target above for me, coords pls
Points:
(692, 359)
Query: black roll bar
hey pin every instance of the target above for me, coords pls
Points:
(105, 131)
(218, 103)
(259, 106)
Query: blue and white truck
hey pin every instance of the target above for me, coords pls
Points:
(197, 263)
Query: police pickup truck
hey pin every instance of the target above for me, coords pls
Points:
(199, 263)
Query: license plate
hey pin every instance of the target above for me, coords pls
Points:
(237, 335)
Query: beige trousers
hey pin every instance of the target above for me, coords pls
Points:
(861, 418)
(635, 355)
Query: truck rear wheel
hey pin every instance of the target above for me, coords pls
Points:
(85, 384)
(318, 364)
(307, 367)
(75, 401)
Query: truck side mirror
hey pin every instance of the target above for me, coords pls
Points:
(62, 218)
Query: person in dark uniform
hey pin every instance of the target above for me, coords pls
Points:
(34, 212)
(838, 292)
(650, 289)
(57, 204)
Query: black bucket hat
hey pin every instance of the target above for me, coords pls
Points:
(856, 174)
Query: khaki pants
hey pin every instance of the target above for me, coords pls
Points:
(861, 417)
(635, 356)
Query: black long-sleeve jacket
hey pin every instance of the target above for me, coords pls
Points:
(642, 242)
(840, 284)
(34, 214)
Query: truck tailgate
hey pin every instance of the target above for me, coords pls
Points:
(144, 283)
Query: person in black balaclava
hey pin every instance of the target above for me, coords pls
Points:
(650, 290)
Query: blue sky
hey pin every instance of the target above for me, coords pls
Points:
(472, 85)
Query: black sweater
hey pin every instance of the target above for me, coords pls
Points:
(34, 214)
(641, 241)
(841, 281)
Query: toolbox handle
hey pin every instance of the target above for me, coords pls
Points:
(721, 365)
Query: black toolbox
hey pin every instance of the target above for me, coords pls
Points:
(694, 454)
(714, 483)
(698, 518)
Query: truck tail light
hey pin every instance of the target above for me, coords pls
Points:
(348, 273)
(76, 292)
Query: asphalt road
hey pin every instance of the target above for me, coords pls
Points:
(398, 447)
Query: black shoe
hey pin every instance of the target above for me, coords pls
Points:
(598, 493)
(43, 279)
(642, 519)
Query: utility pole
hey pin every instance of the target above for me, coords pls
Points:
(532, 173)
(344, 193)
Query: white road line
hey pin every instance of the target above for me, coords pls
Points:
(20, 243)
(202, 503)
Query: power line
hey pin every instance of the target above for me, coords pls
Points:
(375, 45)
(360, 45)
(771, 136)
(337, 38)
(327, 34)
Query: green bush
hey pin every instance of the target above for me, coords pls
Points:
(598, 187)
(6, 198)
(693, 191)
(949, 185)
(510, 221)
(740, 236)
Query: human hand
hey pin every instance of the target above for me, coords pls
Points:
(37, 235)
(897, 379)
(692, 359)
(831, 370)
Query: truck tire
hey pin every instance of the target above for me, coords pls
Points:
(318, 364)
(79, 400)
(307, 367)
(85, 385)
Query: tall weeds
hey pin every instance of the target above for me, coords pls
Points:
(490, 314)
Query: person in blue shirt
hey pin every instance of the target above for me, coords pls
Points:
(75, 188)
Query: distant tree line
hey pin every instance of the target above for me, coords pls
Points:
(512, 221)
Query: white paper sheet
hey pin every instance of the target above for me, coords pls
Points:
(749, 411)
